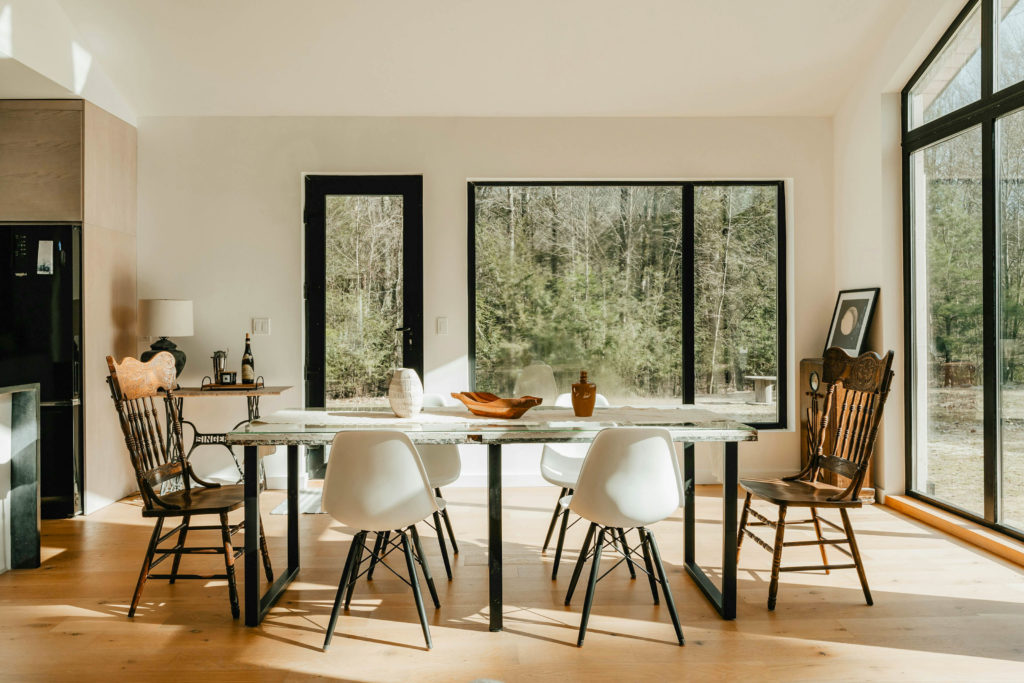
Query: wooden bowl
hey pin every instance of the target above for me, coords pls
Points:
(488, 405)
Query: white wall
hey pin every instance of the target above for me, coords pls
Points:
(868, 202)
(220, 223)
(39, 34)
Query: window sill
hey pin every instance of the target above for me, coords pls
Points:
(963, 529)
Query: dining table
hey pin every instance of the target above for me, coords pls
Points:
(455, 425)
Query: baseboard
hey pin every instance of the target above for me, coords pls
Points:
(966, 530)
(507, 479)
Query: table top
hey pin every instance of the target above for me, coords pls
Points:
(766, 378)
(241, 391)
(317, 426)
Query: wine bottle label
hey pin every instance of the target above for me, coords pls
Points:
(248, 373)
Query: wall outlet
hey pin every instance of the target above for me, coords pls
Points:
(261, 326)
(442, 325)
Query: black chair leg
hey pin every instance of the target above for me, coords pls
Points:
(448, 525)
(561, 543)
(357, 562)
(426, 568)
(780, 534)
(229, 564)
(146, 563)
(181, 544)
(554, 520)
(648, 565)
(357, 542)
(595, 569)
(580, 561)
(440, 542)
(414, 582)
(376, 552)
(856, 556)
(625, 551)
(663, 577)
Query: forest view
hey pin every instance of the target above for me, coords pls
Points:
(589, 277)
(947, 209)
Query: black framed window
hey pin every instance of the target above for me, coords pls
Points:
(963, 213)
(665, 292)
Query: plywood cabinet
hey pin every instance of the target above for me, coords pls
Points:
(41, 160)
(68, 161)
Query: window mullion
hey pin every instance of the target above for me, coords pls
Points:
(991, 327)
(688, 284)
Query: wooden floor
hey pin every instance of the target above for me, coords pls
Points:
(942, 611)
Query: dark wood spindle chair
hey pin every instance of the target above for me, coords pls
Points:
(854, 398)
(167, 484)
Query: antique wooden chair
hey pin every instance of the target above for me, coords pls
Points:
(854, 398)
(166, 480)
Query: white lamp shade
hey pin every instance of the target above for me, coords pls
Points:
(165, 318)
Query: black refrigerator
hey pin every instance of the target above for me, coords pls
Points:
(41, 341)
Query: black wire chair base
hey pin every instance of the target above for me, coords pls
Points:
(615, 538)
(408, 541)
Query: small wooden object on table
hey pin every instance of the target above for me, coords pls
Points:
(488, 405)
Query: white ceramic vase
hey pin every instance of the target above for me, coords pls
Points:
(405, 392)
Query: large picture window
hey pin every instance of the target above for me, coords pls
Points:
(665, 293)
(963, 185)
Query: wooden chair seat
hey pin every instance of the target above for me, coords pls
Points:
(202, 501)
(799, 493)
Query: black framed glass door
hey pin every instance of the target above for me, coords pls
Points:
(363, 285)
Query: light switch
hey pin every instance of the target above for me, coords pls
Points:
(442, 325)
(260, 326)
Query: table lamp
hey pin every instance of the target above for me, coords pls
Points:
(165, 318)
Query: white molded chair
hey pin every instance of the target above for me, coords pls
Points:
(560, 466)
(375, 482)
(630, 479)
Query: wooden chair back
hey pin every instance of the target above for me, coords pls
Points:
(156, 455)
(855, 395)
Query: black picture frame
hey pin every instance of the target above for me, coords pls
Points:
(851, 319)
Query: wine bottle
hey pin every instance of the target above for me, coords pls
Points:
(248, 367)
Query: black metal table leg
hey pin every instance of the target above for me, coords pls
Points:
(724, 599)
(494, 532)
(257, 606)
(252, 536)
(293, 508)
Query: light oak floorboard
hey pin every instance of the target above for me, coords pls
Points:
(943, 610)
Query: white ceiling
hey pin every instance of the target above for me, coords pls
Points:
(483, 57)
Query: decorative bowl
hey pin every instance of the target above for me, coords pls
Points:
(488, 405)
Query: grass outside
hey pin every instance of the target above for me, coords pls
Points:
(952, 468)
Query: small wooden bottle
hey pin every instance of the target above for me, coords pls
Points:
(584, 394)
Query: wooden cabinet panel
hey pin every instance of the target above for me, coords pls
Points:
(41, 160)
(110, 170)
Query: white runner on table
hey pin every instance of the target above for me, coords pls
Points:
(555, 418)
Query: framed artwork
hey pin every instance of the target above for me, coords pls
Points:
(851, 319)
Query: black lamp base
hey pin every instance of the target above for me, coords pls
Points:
(165, 344)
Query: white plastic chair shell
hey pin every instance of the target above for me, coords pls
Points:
(629, 478)
(442, 462)
(375, 481)
(560, 468)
